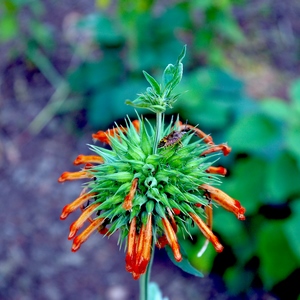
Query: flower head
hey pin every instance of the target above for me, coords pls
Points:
(153, 181)
(145, 195)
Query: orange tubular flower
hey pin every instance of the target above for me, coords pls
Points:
(131, 246)
(207, 232)
(224, 200)
(217, 170)
(69, 208)
(103, 136)
(206, 138)
(215, 148)
(172, 239)
(81, 238)
(129, 197)
(144, 250)
(75, 226)
(88, 159)
(74, 176)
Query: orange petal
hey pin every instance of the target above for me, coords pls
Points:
(127, 205)
(172, 239)
(224, 200)
(143, 260)
(217, 170)
(173, 223)
(69, 208)
(75, 226)
(206, 138)
(80, 239)
(131, 246)
(222, 147)
(74, 176)
(85, 159)
(207, 232)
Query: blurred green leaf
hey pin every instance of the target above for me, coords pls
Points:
(294, 91)
(252, 133)
(249, 190)
(154, 292)
(291, 228)
(277, 260)
(9, 27)
(275, 108)
(184, 264)
(283, 178)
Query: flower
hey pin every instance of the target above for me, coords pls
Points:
(147, 193)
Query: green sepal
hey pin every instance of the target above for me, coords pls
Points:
(110, 202)
(149, 206)
(159, 209)
(150, 182)
(153, 159)
(120, 176)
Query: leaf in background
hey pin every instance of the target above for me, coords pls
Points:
(283, 178)
(154, 292)
(184, 264)
(252, 133)
(249, 190)
(277, 260)
(291, 228)
(9, 27)
(276, 108)
(294, 91)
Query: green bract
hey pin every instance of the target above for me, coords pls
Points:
(166, 180)
(157, 97)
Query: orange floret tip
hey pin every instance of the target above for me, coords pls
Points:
(207, 232)
(80, 239)
(101, 136)
(74, 176)
(176, 211)
(69, 208)
(75, 226)
(88, 159)
(217, 170)
(136, 125)
(131, 246)
(172, 239)
(222, 147)
(127, 205)
(224, 200)
(143, 257)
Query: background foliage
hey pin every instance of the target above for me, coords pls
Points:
(112, 46)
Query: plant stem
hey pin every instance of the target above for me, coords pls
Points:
(145, 278)
(158, 131)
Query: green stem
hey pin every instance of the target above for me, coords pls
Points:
(145, 278)
(158, 131)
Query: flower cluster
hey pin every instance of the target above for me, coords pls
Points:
(148, 191)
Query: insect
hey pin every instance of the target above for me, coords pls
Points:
(172, 139)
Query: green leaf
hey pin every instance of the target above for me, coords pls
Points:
(252, 133)
(294, 91)
(291, 228)
(154, 292)
(172, 74)
(249, 190)
(277, 260)
(283, 177)
(184, 264)
(276, 108)
(9, 27)
(155, 85)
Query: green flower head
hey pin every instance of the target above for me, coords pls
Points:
(153, 181)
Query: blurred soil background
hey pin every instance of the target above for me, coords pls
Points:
(44, 125)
